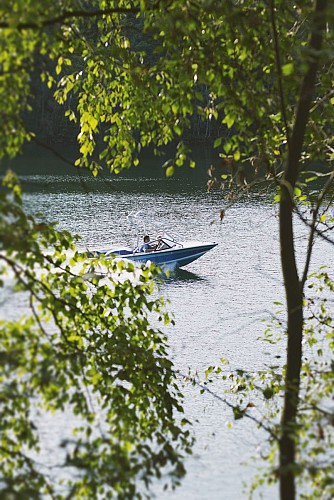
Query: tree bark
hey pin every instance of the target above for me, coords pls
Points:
(294, 298)
(293, 285)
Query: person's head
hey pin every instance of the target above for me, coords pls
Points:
(146, 238)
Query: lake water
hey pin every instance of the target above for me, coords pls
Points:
(219, 301)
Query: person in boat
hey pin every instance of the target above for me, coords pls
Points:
(146, 247)
(161, 245)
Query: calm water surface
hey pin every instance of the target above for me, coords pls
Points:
(219, 301)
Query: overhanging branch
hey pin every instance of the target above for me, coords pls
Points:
(67, 15)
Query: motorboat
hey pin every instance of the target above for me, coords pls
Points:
(164, 251)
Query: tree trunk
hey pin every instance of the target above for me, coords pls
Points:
(294, 297)
(292, 283)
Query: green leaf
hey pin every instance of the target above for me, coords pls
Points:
(268, 393)
(217, 142)
(238, 413)
(287, 69)
(170, 171)
(229, 120)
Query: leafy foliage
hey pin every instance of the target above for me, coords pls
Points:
(259, 394)
(86, 349)
(131, 74)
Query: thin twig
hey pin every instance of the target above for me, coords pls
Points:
(231, 405)
(313, 227)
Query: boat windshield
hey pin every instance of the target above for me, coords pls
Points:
(160, 243)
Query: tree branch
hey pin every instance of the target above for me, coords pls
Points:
(67, 15)
(313, 227)
(230, 405)
(279, 69)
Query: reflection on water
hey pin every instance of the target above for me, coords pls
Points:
(218, 301)
(84, 183)
(181, 276)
